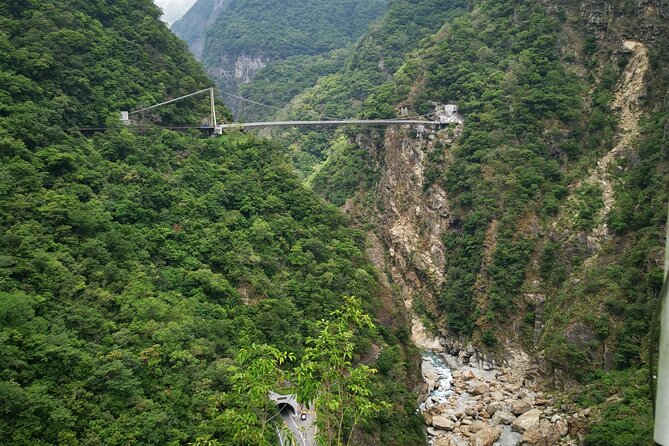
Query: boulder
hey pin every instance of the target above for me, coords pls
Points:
(471, 410)
(468, 374)
(434, 432)
(520, 407)
(477, 425)
(503, 417)
(526, 421)
(542, 434)
(443, 422)
(442, 441)
(508, 438)
(430, 375)
(457, 440)
(428, 418)
(562, 428)
(479, 389)
(494, 407)
(485, 437)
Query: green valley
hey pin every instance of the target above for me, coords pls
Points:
(490, 281)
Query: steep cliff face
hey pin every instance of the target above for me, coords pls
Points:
(193, 25)
(415, 215)
(536, 233)
(237, 39)
(638, 97)
(230, 71)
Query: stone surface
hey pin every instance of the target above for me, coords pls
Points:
(526, 421)
(485, 437)
(430, 375)
(503, 417)
(428, 418)
(471, 410)
(543, 434)
(562, 428)
(468, 374)
(520, 407)
(508, 437)
(494, 406)
(443, 422)
(477, 425)
(480, 389)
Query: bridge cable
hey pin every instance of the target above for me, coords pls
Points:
(321, 116)
(249, 100)
(265, 105)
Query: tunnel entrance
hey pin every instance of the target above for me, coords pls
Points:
(286, 409)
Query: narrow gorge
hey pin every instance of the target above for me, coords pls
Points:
(467, 397)
(449, 231)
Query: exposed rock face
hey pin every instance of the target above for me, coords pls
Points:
(413, 220)
(191, 27)
(599, 17)
(528, 420)
(630, 90)
(485, 437)
(237, 69)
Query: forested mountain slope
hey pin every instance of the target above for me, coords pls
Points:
(193, 25)
(536, 227)
(150, 280)
(235, 39)
(343, 91)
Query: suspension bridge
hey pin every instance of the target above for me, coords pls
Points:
(444, 116)
(373, 122)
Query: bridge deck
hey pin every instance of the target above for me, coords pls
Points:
(237, 125)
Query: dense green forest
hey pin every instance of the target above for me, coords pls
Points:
(277, 29)
(367, 65)
(235, 39)
(155, 285)
(530, 132)
(145, 276)
(538, 95)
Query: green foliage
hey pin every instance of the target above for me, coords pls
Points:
(345, 171)
(347, 91)
(69, 63)
(624, 289)
(247, 411)
(277, 83)
(507, 272)
(286, 35)
(342, 394)
(374, 59)
(276, 29)
(134, 266)
(123, 280)
(622, 407)
(587, 203)
(642, 194)
(506, 76)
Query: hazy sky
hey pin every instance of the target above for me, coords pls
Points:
(174, 9)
